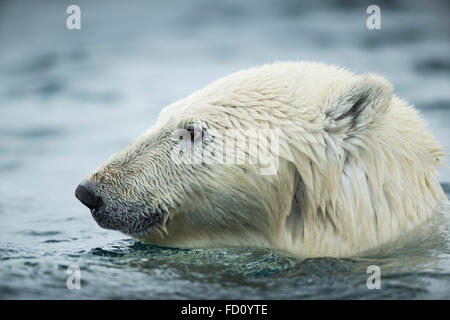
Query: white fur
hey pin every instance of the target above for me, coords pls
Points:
(362, 175)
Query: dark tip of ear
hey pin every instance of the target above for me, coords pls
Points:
(359, 103)
(354, 110)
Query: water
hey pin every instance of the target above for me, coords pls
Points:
(69, 99)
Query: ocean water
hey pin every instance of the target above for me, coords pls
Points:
(71, 98)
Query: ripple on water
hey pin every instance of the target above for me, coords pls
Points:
(37, 64)
(433, 65)
(33, 133)
(56, 241)
(35, 233)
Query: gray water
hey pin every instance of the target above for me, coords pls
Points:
(71, 98)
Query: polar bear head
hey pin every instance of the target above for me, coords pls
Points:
(243, 160)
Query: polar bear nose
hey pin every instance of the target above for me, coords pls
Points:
(87, 197)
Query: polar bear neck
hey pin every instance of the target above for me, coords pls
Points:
(383, 189)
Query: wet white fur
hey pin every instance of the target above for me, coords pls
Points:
(362, 178)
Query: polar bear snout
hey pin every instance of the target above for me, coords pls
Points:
(115, 211)
(87, 196)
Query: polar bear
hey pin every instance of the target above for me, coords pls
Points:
(354, 166)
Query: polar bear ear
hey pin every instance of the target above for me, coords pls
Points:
(358, 105)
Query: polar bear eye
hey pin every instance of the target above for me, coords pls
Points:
(195, 134)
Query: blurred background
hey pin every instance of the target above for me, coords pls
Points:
(71, 98)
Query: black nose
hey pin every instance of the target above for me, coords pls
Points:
(87, 197)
